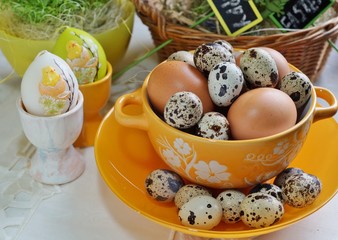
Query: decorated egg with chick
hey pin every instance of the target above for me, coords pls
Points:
(83, 53)
(49, 86)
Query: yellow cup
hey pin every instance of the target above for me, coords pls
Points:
(220, 163)
(96, 95)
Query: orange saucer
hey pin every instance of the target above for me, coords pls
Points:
(125, 157)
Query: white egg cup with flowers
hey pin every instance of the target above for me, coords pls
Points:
(51, 114)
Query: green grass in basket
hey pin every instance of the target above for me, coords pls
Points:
(40, 19)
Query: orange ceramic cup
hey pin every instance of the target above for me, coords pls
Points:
(95, 96)
(220, 163)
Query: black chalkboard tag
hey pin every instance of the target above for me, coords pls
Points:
(299, 14)
(236, 16)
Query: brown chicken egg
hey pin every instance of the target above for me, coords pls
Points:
(261, 112)
(171, 77)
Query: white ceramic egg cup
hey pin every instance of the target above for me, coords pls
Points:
(56, 161)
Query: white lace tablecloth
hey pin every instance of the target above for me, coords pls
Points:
(86, 209)
(20, 194)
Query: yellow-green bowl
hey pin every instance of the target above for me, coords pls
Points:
(21, 52)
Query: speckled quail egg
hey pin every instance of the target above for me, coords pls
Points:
(171, 77)
(49, 86)
(213, 125)
(162, 184)
(225, 44)
(183, 110)
(269, 188)
(298, 86)
(225, 83)
(188, 192)
(202, 212)
(301, 190)
(285, 174)
(207, 55)
(231, 205)
(260, 210)
(282, 63)
(183, 56)
(259, 68)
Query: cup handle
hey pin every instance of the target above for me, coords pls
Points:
(138, 121)
(325, 112)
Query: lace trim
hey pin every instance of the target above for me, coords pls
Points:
(20, 194)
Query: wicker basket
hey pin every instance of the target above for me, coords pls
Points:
(306, 49)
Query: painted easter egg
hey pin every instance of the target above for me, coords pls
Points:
(83, 53)
(49, 86)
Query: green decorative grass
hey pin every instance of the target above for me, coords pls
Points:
(41, 19)
(40, 11)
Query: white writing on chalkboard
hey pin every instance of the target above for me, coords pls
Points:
(236, 16)
(232, 3)
(233, 7)
(300, 13)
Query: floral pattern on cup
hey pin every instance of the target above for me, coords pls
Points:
(283, 152)
(260, 178)
(182, 157)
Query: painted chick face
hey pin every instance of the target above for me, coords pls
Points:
(82, 61)
(53, 90)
